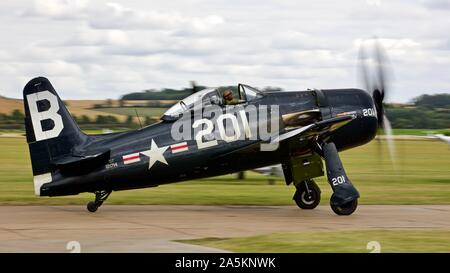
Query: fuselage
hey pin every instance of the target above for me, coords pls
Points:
(151, 156)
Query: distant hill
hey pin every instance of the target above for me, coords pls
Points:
(8, 105)
(84, 111)
(425, 112)
(76, 107)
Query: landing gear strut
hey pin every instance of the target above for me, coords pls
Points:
(307, 195)
(100, 197)
(345, 196)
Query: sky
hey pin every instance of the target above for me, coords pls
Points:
(104, 49)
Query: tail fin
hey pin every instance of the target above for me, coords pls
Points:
(51, 131)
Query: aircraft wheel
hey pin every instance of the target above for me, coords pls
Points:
(92, 206)
(345, 209)
(305, 199)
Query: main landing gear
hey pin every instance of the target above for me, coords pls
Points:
(100, 197)
(344, 199)
(345, 196)
(307, 195)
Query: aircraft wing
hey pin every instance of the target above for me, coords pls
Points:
(440, 137)
(316, 128)
(443, 138)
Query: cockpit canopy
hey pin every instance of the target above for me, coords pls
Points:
(211, 96)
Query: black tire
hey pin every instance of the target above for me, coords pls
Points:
(345, 209)
(307, 201)
(92, 207)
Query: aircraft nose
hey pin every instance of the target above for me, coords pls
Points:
(356, 102)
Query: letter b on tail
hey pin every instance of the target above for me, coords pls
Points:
(41, 117)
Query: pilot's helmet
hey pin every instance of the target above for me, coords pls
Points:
(228, 95)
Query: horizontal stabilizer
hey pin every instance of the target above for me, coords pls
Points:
(78, 163)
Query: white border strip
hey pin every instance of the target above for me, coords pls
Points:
(40, 180)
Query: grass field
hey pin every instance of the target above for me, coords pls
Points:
(421, 176)
(426, 240)
(420, 132)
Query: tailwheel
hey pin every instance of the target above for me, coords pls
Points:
(100, 197)
(92, 207)
(307, 195)
(345, 209)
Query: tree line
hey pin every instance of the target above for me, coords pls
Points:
(426, 112)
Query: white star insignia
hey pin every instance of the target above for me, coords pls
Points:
(155, 154)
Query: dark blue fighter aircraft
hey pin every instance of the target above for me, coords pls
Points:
(218, 137)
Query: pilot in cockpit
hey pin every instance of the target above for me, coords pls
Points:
(229, 99)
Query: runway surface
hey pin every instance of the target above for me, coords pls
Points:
(152, 228)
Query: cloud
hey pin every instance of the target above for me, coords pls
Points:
(288, 40)
(437, 4)
(90, 37)
(57, 9)
(101, 49)
(112, 15)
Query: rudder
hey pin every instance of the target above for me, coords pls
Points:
(51, 131)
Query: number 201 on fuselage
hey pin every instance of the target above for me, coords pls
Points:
(206, 131)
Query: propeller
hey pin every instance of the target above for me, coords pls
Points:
(373, 74)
